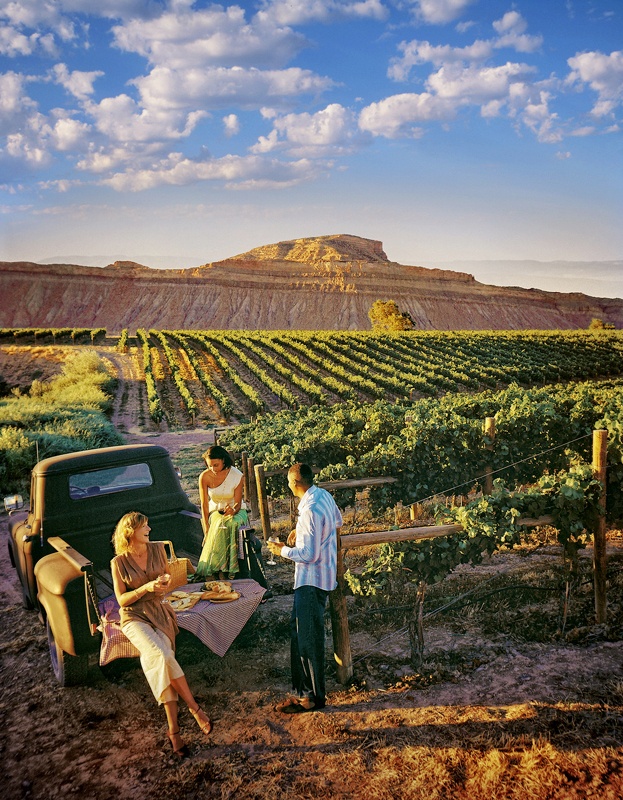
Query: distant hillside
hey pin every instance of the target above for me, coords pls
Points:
(326, 282)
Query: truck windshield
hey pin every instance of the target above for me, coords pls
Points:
(106, 481)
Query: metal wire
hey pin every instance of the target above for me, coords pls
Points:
(501, 469)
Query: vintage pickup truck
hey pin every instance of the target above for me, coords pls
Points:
(61, 547)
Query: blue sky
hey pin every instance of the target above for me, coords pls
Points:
(190, 131)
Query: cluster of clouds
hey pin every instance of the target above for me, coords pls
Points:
(204, 61)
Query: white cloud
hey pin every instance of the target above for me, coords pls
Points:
(417, 52)
(604, 74)
(477, 84)
(330, 132)
(537, 117)
(231, 123)
(511, 34)
(13, 100)
(397, 115)
(122, 120)
(69, 134)
(220, 87)
(184, 38)
(101, 159)
(511, 29)
(26, 148)
(439, 12)
(234, 171)
(297, 12)
(77, 83)
(14, 43)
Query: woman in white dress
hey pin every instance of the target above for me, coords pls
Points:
(222, 512)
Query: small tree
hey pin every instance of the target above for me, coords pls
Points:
(599, 324)
(386, 316)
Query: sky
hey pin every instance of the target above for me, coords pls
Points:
(185, 132)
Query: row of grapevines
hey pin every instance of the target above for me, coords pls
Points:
(155, 406)
(203, 340)
(172, 358)
(223, 402)
(262, 349)
(278, 389)
(489, 524)
(436, 445)
(54, 333)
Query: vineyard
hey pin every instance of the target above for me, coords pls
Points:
(217, 376)
(354, 404)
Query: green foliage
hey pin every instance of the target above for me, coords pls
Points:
(62, 415)
(438, 446)
(123, 343)
(490, 523)
(386, 316)
(155, 406)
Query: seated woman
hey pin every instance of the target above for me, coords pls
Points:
(222, 512)
(139, 571)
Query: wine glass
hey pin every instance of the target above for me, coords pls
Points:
(163, 581)
(271, 559)
(220, 507)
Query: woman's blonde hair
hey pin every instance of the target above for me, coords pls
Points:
(124, 531)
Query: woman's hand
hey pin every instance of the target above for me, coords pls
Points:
(291, 540)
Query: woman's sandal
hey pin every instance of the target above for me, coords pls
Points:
(204, 724)
(180, 752)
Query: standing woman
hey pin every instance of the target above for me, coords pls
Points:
(139, 572)
(220, 490)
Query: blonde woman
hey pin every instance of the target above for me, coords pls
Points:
(139, 572)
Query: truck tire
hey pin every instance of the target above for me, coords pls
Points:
(26, 601)
(69, 670)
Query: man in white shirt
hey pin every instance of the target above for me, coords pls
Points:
(313, 548)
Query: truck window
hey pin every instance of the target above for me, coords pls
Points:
(83, 485)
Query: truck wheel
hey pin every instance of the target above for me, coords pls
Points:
(26, 601)
(69, 670)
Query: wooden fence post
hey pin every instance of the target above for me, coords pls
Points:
(245, 472)
(490, 434)
(339, 622)
(600, 455)
(252, 488)
(262, 497)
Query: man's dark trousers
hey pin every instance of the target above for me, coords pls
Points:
(307, 643)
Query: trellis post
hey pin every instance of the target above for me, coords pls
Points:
(600, 455)
(490, 434)
(245, 472)
(252, 488)
(339, 622)
(262, 500)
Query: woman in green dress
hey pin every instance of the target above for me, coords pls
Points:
(222, 512)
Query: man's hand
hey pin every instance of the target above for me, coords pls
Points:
(291, 541)
(274, 547)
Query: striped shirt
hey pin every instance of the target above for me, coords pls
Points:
(315, 552)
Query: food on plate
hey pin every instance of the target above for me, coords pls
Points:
(218, 586)
(224, 597)
(183, 603)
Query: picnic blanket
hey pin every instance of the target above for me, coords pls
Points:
(215, 624)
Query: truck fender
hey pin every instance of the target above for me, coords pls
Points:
(61, 593)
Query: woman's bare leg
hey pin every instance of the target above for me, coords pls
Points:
(182, 688)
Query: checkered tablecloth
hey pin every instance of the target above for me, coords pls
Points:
(215, 624)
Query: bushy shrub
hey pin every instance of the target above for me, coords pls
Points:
(63, 415)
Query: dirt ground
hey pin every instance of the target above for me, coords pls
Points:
(512, 719)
